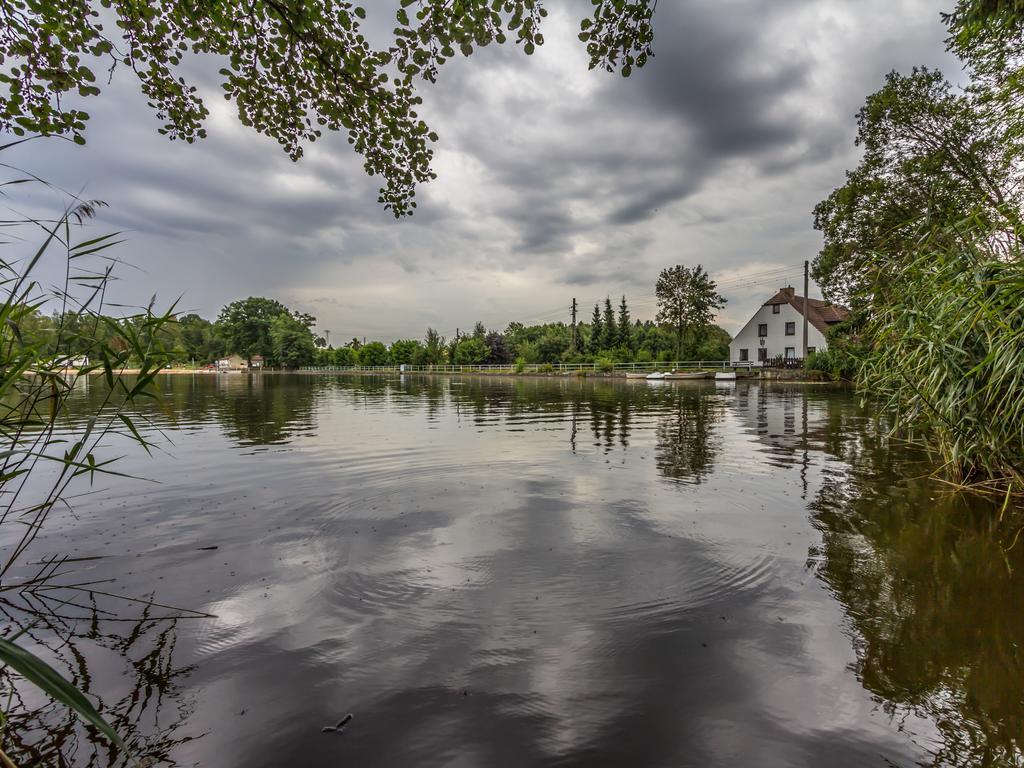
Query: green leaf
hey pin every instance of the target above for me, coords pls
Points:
(49, 681)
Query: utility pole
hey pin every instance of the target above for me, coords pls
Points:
(573, 310)
(806, 291)
(327, 337)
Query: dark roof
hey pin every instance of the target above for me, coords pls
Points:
(820, 314)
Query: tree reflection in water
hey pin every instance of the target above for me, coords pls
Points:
(687, 441)
(932, 584)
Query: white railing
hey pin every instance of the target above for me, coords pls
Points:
(683, 365)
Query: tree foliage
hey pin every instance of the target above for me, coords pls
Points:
(610, 335)
(292, 69)
(625, 329)
(404, 351)
(931, 158)
(470, 351)
(374, 353)
(596, 342)
(924, 241)
(687, 300)
(292, 343)
(245, 325)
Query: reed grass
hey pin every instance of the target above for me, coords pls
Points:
(42, 451)
(946, 353)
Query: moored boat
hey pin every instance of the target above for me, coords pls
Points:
(656, 376)
(690, 376)
(724, 376)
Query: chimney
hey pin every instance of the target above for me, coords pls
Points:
(789, 290)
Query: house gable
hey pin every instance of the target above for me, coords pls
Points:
(784, 309)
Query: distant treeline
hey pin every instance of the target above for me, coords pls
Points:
(285, 339)
(607, 338)
(251, 327)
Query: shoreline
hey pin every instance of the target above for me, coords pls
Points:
(784, 376)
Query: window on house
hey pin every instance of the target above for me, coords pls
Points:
(791, 329)
(744, 355)
(776, 308)
(790, 353)
(762, 354)
(762, 329)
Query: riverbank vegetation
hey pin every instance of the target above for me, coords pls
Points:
(923, 243)
(51, 614)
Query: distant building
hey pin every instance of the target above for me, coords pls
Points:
(256, 362)
(74, 362)
(776, 329)
(232, 363)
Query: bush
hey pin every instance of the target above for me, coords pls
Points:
(604, 363)
(520, 364)
(829, 362)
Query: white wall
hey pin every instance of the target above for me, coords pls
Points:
(777, 340)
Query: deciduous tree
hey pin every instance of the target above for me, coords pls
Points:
(245, 325)
(373, 353)
(687, 300)
(292, 343)
(932, 158)
(404, 351)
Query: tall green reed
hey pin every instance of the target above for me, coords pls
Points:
(945, 341)
(41, 451)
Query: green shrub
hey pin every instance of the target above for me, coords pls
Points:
(830, 363)
(520, 364)
(604, 363)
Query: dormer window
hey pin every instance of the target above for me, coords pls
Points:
(776, 308)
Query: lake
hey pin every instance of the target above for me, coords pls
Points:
(534, 572)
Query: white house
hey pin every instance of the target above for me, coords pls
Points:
(234, 362)
(776, 329)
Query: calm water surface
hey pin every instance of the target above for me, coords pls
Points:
(543, 572)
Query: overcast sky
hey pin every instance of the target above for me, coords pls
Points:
(554, 182)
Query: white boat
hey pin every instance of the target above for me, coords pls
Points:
(721, 376)
(656, 376)
(689, 375)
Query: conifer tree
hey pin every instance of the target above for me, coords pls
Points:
(611, 332)
(625, 327)
(596, 331)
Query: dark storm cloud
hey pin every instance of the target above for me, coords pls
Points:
(552, 178)
(634, 146)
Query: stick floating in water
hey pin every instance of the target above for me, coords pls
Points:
(340, 727)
